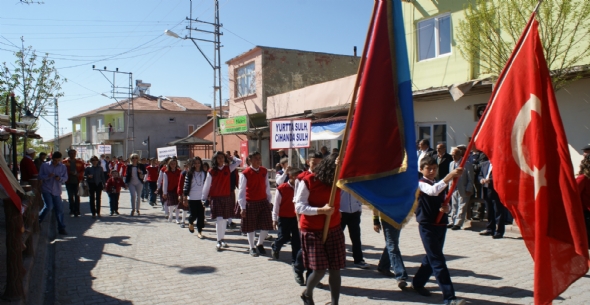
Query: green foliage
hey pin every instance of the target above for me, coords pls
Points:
(491, 29)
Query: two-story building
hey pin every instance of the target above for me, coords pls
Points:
(449, 91)
(163, 119)
(264, 71)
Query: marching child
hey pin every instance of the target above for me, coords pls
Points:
(433, 234)
(254, 200)
(170, 188)
(216, 188)
(183, 203)
(113, 189)
(193, 192)
(284, 218)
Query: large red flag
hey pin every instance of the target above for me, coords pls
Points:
(523, 136)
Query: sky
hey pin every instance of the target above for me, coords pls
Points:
(129, 35)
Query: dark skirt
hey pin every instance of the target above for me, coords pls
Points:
(172, 198)
(222, 207)
(320, 256)
(258, 216)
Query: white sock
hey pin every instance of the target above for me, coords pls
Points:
(251, 236)
(261, 237)
(177, 212)
(183, 216)
(170, 212)
(220, 227)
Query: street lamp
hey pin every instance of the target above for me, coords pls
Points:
(171, 34)
(28, 119)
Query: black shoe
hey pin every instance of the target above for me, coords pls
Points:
(274, 254)
(450, 225)
(402, 284)
(112, 213)
(422, 291)
(117, 212)
(299, 279)
(261, 249)
(455, 228)
(307, 300)
(387, 273)
(485, 233)
(93, 216)
(497, 236)
(232, 226)
(218, 246)
(191, 228)
(62, 232)
(253, 252)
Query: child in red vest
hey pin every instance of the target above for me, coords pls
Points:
(217, 188)
(284, 218)
(254, 200)
(170, 187)
(313, 195)
(113, 189)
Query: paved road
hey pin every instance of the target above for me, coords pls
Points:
(146, 260)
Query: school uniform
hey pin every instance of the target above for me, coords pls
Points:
(254, 197)
(298, 266)
(193, 190)
(284, 214)
(433, 235)
(152, 180)
(317, 255)
(169, 188)
(113, 189)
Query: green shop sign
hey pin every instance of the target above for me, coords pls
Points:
(233, 125)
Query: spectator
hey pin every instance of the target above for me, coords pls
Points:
(586, 150)
(236, 154)
(282, 175)
(75, 175)
(40, 160)
(496, 211)
(475, 159)
(335, 150)
(28, 170)
(324, 151)
(583, 181)
(443, 159)
(350, 210)
(462, 192)
(104, 164)
(424, 150)
(53, 174)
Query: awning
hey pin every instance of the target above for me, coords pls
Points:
(190, 141)
(327, 131)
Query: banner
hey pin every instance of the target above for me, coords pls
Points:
(243, 151)
(166, 152)
(104, 149)
(233, 125)
(290, 134)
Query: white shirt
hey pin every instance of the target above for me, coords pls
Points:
(432, 190)
(421, 154)
(277, 204)
(197, 183)
(242, 189)
(296, 187)
(103, 164)
(165, 183)
(280, 179)
(207, 187)
(302, 204)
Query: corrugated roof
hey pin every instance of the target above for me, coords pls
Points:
(150, 103)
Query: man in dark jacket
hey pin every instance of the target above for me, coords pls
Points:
(443, 159)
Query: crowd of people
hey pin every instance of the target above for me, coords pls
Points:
(298, 209)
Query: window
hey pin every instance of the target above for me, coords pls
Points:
(435, 133)
(434, 37)
(246, 81)
(100, 125)
(191, 128)
(172, 120)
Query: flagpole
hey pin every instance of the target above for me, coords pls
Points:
(349, 121)
(479, 124)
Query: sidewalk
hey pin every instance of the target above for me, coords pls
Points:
(146, 260)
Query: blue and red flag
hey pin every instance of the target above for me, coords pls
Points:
(380, 164)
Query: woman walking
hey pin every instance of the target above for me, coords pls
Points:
(193, 192)
(169, 188)
(134, 181)
(95, 177)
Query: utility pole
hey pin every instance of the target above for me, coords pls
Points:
(216, 64)
(13, 126)
(120, 92)
(55, 128)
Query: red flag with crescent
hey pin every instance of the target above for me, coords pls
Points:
(522, 134)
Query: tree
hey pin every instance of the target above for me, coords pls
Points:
(35, 81)
(491, 29)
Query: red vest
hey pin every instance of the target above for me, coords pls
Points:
(173, 178)
(303, 175)
(256, 184)
(219, 182)
(152, 173)
(319, 195)
(287, 208)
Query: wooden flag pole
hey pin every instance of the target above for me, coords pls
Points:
(349, 121)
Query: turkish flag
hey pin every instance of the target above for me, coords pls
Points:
(522, 133)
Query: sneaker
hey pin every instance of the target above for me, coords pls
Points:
(450, 225)
(224, 244)
(362, 265)
(422, 291)
(253, 252)
(455, 228)
(497, 236)
(177, 222)
(182, 226)
(402, 284)
(299, 279)
(191, 228)
(385, 272)
(218, 246)
(457, 302)
(485, 233)
(261, 249)
(62, 232)
(151, 203)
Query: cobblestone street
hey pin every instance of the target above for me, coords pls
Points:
(147, 260)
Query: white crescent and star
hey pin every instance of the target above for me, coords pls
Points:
(522, 122)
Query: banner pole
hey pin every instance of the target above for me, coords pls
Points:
(349, 121)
